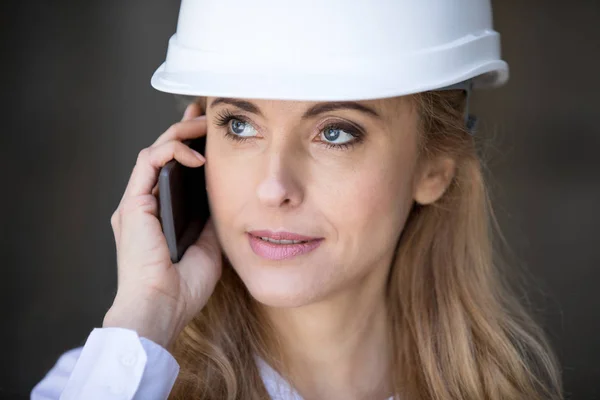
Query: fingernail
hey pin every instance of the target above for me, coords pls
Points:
(198, 155)
(200, 117)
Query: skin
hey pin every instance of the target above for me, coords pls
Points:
(327, 306)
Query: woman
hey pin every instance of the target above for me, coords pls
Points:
(349, 254)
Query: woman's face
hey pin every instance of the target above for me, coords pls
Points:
(309, 198)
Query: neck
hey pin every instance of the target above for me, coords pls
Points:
(338, 348)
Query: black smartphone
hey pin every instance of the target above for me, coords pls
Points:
(183, 202)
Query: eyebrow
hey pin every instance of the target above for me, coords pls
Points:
(313, 111)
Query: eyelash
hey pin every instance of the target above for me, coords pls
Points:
(224, 117)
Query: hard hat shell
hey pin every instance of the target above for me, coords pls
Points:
(330, 50)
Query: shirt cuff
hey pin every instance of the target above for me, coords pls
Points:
(116, 363)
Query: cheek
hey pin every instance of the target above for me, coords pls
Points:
(372, 205)
(228, 183)
(379, 200)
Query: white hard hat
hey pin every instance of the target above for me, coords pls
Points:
(330, 50)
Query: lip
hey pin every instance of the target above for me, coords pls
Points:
(282, 235)
(278, 252)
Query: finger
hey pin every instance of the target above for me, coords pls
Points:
(115, 222)
(152, 159)
(133, 209)
(190, 129)
(200, 266)
(180, 131)
(156, 194)
(186, 129)
(193, 110)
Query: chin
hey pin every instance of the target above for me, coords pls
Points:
(281, 300)
(282, 287)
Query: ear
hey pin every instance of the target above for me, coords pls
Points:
(433, 178)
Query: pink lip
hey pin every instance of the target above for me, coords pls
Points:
(276, 252)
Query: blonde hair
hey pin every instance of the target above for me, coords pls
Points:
(457, 327)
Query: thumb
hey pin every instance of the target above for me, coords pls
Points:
(200, 267)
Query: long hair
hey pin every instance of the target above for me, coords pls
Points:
(457, 328)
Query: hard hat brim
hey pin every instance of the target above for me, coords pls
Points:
(205, 74)
(312, 88)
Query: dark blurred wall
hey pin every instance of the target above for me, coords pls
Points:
(78, 106)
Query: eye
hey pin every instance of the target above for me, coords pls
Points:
(241, 128)
(336, 135)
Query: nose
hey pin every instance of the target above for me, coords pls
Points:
(280, 185)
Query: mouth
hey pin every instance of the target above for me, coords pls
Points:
(282, 241)
(277, 246)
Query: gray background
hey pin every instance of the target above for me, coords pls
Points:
(78, 106)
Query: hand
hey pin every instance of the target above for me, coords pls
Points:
(155, 297)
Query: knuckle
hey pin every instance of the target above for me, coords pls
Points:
(173, 130)
(114, 218)
(176, 144)
(173, 147)
(143, 155)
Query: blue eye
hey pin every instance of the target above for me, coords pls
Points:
(241, 128)
(336, 135)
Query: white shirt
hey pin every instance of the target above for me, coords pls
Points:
(117, 364)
